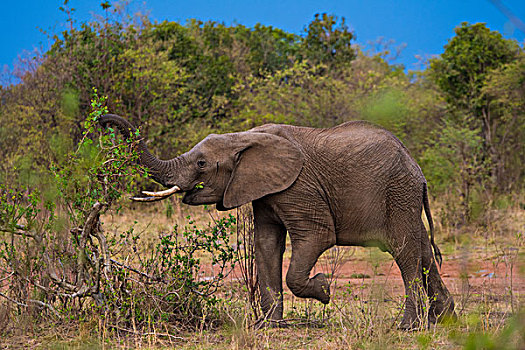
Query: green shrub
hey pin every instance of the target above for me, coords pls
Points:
(59, 261)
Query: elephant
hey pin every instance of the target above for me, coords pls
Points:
(352, 184)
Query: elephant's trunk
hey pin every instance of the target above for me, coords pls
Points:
(157, 167)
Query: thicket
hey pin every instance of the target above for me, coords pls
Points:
(462, 118)
(58, 261)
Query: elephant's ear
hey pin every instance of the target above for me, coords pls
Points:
(264, 164)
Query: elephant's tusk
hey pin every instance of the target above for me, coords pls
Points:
(156, 196)
(164, 193)
(146, 199)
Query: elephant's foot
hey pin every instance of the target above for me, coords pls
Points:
(272, 313)
(269, 323)
(321, 288)
(316, 287)
(409, 323)
(412, 318)
(441, 311)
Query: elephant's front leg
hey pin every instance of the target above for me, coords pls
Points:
(310, 238)
(304, 257)
(270, 240)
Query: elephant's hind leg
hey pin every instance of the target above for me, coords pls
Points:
(440, 300)
(408, 258)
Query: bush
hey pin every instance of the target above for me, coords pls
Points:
(60, 263)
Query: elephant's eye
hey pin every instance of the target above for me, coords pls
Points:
(201, 163)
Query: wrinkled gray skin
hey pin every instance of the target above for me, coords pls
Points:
(354, 184)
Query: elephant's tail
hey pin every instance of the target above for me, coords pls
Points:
(426, 206)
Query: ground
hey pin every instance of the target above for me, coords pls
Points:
(484, 269)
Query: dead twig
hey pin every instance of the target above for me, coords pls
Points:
(152, 278)
(140, 334)
(37, 302)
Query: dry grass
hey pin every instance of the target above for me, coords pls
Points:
(484, 268)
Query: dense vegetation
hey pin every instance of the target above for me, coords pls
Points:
(462, 118)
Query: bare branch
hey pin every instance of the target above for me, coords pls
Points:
(7, 277)
(146, 334)
(153, 278)
(38, 302)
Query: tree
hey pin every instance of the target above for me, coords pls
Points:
(505, 91)
(328, 43)
(454, 165)
(461, 70)
(461, 73)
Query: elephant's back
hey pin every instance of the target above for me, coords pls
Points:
(354, 148)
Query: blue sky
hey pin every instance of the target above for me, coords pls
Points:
(424, 26)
